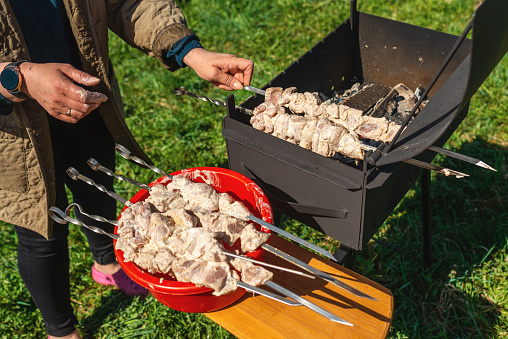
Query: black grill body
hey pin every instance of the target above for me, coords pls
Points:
(349, 203)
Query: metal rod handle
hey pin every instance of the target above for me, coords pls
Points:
(94, 164)
(94, 217)
(75, 175)
(126, 154)
(183, 91)
(60, 217)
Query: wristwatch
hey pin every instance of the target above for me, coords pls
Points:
(11, 79)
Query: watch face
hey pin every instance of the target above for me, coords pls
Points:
(9, 79)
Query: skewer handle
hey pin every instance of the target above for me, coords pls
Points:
(126, 154)
(183, 91)
(94, 217)
(94, 164)
(60, 217)
(75, 175)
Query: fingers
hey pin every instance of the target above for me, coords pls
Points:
(246, 68)
(234, 74)
(223, 70)
(78, 93)
(87, 97)
(80, 77)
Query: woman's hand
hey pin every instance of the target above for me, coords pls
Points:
(56, 88)
(224, 70)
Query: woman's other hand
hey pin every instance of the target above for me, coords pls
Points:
(56, 88)
(224, 70)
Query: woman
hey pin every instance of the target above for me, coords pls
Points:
(59, 106)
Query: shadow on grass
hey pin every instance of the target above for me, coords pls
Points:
(111, 304)
(455, 296)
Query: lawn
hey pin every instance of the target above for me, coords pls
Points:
(463, 294)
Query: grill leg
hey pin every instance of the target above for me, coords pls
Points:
(427, 226)
(346, 256)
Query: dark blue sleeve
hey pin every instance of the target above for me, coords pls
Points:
(182, 47)
(6, 106)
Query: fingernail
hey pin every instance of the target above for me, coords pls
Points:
(237, 85)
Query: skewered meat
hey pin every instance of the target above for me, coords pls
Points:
(215, 275)
(165, 199)
(232, 207)
(251, 274)
(352, 119)
(319, 135)
(326, 128)
(178, 230)
(227, 228)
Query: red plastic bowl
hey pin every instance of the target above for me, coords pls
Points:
(188, 297)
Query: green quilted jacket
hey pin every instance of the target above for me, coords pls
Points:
(27, 178)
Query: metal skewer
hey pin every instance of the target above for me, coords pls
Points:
(184, 91)
(255, 90)
(61, 217)
(267, 294)
(75, 175)
(95, 217)
(262, 263)
(96, 166)
(89, 181)
(318, 273)
(462, 157)
(432, 148)
(307, 303)
(432, 167)
(125, 153)
(442, 170)
(422, 164)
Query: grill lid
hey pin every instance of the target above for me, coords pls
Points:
(489, 45)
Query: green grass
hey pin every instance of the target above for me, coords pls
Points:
(464, 294)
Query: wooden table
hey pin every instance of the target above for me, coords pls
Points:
(255, 316)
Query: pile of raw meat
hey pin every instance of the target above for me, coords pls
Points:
(181, 229)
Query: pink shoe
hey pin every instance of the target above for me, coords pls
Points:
(121, 280)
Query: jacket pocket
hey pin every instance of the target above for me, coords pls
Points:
(13, 165)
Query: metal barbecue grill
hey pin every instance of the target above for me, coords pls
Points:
(349, 203)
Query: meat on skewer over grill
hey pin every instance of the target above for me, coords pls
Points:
(326, 127)
(180, 230)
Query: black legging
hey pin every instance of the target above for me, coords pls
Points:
(44, 264)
